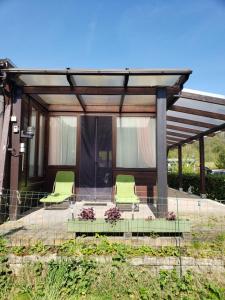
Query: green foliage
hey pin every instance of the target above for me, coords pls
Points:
(71, 279)
(3, 243)
(188, 179)
(76, 276)
(121, 252)
(213, 146)
(215, 184)
(118, 250)
(220, 162)
(38, 248)
(18, 250)
(6, 279)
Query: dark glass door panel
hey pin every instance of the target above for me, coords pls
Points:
(96, 158)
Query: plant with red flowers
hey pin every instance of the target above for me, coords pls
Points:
(87, 214)
(112, 215)
(171, 216)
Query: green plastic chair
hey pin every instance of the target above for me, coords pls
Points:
(62, 189)
(125, 190)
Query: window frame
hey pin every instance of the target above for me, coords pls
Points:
(63, 114)
(39, 112)
(153, 116)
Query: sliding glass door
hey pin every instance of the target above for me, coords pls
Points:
(95, 158)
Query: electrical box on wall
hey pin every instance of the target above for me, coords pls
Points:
(13, 118)
(15, 128)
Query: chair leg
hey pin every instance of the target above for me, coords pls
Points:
(133, 207)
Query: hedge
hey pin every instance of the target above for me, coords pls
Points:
(215, 184)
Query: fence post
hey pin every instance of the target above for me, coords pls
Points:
(202, 167)
(180, 168)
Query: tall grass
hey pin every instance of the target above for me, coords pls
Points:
(84, 279)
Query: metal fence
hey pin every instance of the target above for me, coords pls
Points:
(187, 216)
(191, 235)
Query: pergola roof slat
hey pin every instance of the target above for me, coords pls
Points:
(173, 133)
(190, 122)
(203, 98)
(184, 129)
(193, 118)
(198, 112)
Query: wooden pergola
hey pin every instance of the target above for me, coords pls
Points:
(194, 116)
(182, 116)
(119, 92)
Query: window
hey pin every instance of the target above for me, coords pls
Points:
(136, 142)
(32, 143)
(62, 140)
(36, 144)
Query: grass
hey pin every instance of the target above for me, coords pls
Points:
(84, 279)
(200, 246)
(80, 277)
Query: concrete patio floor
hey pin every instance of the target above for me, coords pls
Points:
(51, 224)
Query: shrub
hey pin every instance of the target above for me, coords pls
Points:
(220, 162)
(87, 214)
(3, 244)
(215, 184)
(112, 215)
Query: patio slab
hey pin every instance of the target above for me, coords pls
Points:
(51, 224)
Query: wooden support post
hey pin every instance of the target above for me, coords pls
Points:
(15, 155)
(202, 167)
(180, 168)
(3, 145)
(1, 114)
(161, 150)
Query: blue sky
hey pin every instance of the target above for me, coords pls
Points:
(118, 34)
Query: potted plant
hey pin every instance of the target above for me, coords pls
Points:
(87, 214)
(112, 215)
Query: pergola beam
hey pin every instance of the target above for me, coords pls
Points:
(190, 122)
(202, 134)
(100, 72)
(184, 129)
(198, 112)
(171, 141)
(94, 90)
(126, 79)
(173, 133)
(172, 138)
(203, 98)
(72, 84)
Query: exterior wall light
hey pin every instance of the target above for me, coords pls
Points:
(29, 133)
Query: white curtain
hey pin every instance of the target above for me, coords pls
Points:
(136, 142)
(62, 140)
